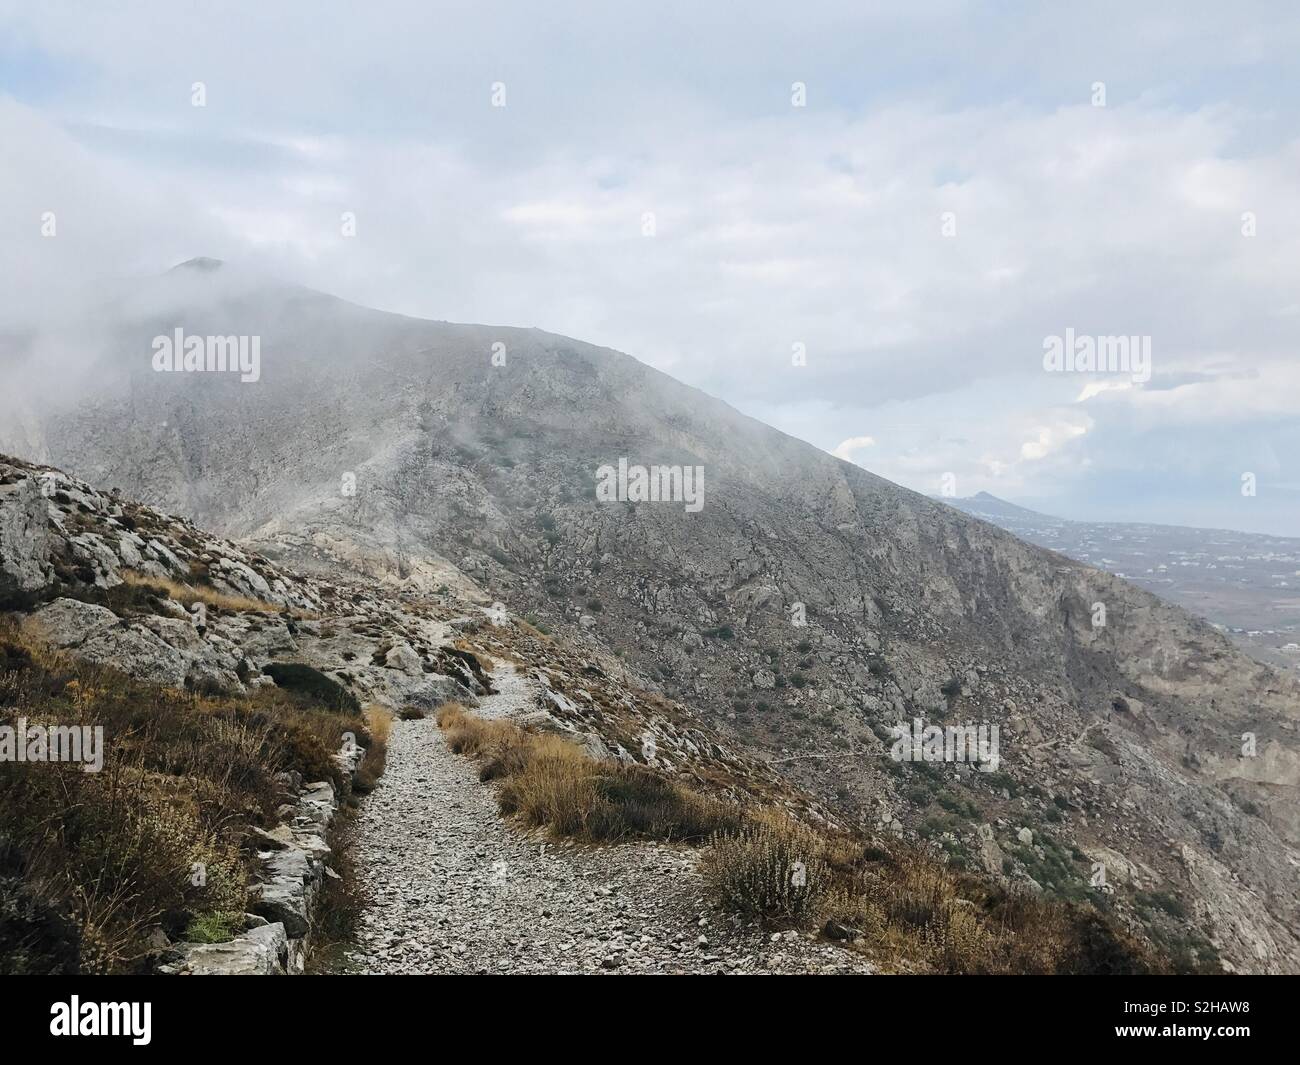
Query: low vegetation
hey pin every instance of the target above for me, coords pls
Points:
(379, 724)
(550, 782)
(93, 864)
(189, 594)
(768, 870)
(315, 685)
(907, 910)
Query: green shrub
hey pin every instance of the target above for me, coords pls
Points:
(214, 928)
(311, 682)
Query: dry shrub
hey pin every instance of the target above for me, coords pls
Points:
(920, 901)
(379, 723)
(770, 870)
(548, 781)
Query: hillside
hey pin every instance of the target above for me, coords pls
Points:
(1244, 583)
(803, 610)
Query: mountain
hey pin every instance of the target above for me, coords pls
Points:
(802, 611)
(1247, 584)
(999, 511)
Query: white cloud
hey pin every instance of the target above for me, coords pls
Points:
(845, 449)
(1049, 438)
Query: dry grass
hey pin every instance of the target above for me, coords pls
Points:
(911, 912)
(189, 594)
(468, 733)
(379, 723)
(90, 863)
(533, 631)
(548, 781)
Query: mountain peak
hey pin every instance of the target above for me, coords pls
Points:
(202, 263)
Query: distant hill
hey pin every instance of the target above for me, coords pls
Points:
(1248, 584)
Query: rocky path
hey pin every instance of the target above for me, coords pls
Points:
(454, 889)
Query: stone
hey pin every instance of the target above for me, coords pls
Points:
(839, 931)
(262, 951)
(402, 657)
(26, 539)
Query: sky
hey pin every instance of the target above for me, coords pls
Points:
(862, 223)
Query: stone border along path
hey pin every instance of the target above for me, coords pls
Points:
(276, 939)
(453, 888)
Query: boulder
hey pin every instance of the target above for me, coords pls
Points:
(262, 951)
(403, 657)
(92, 549)
(100, 636)
(434, 690)
(25, 538)
(70, 622)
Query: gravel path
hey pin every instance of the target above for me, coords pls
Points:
(455, 889)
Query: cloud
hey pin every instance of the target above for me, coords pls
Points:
(773, 225)
(1049, 438)
(845, 449)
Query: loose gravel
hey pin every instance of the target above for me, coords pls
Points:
(453, 888)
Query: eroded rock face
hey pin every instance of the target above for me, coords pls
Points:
(25, 537)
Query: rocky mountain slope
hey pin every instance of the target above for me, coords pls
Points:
(805, 609)
(117, 584)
